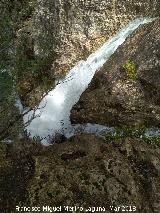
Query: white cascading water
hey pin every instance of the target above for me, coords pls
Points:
(53, 111)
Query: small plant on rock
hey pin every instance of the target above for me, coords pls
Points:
(130, 69)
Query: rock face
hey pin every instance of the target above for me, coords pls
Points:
(55, 35)
(88, 171)
(126, 91)
(73, 29)
(16, 168)
(84, 171)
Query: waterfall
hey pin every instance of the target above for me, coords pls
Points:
(53, 112)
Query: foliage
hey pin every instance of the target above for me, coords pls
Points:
(152, 140)
(14, 16)
(6, 85)
(17, 54)
(131, 132)
(130, 69)
(125, 132)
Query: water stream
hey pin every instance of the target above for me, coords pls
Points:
(53, 112)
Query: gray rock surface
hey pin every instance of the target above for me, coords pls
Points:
(74, 29)
(57, 34)
(87, 171)
(126, 90)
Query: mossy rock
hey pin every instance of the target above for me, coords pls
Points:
(129, 68)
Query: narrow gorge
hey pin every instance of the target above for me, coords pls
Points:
(53, 112)
(80, 106)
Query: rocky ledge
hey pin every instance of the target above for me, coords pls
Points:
(84, 171)
(126, 90)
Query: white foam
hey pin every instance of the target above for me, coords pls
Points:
(54, 110)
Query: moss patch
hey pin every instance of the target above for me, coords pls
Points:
(129, 68)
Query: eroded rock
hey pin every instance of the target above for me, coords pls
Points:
(88, 171)
(126, 90)
(64, 32)
(16, 168)
(74, 29)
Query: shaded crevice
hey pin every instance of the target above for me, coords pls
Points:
(73, 155)
(14, 179)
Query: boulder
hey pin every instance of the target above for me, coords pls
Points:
(126, 90)
(88, 172)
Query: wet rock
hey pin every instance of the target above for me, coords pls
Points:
(88, 171)
(126, 90)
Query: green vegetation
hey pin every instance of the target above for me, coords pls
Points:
(6, 85)
(130, 69)
(17, 55)
(125, 132)
(152, 140)
(15, 15)
(131, 132)
(22, 69)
